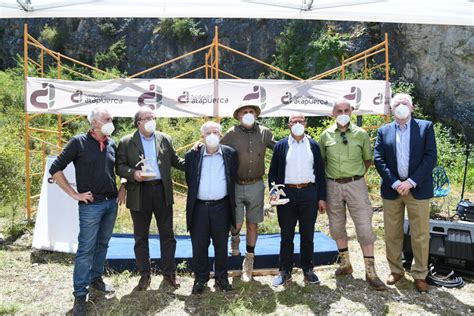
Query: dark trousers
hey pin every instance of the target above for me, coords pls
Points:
(153, 202)
(210, 222)
(302, 208)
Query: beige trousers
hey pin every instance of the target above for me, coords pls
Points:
(418, 217)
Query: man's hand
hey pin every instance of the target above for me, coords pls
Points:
(404, 188)
(122, 194)
(85, 197)
(197, 145)
(322, 206)
(138, 176)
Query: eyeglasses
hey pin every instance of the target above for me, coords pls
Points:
(344, 138)
(297, 121)
(149, 118)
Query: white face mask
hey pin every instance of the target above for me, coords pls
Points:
(212, 140)
(248, 119)
(343, 119)
(107, 128)
(297, 129)
(401, 112)
(150, 126)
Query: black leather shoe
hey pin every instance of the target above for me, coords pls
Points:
(143, 283)
(223, 285)
(171, 279)
(311, 277)
(198, 287)
(284, 278)
(99, 285)
(79, 308)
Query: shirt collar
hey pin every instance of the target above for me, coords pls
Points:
(291, 140)
(143, 137)
(407, 124)
(219, 151)
(334, 128)
(249, 130)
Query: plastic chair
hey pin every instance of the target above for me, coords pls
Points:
(441, 185)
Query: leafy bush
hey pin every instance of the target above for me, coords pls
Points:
(181, 29)
(114, 57)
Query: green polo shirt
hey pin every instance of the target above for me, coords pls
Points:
(345, 160)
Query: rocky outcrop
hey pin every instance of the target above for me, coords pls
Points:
(438, 59)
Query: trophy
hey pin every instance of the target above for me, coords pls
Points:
(147, 170)
(277, 192)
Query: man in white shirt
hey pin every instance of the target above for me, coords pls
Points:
(297, 163)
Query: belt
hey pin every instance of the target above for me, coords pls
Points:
(212, 202)
(347, 180)
(403, 179)
(299, 185)
(248, 181)
(152, 182)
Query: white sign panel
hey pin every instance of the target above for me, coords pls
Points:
(204, 97)
(57, 218)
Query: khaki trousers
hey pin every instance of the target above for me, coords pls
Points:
(418, 217)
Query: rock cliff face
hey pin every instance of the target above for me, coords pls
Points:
(438, 59)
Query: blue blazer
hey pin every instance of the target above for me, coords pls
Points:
(193, 164)
(423, 156)
(278, 164)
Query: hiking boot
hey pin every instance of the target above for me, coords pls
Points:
(311, 277)
(284, 278)
(247, 267)
(234, 245)
(371, 275)
(79, 308)
(99, 285)
(345, 266)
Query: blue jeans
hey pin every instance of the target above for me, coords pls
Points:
(96, 223)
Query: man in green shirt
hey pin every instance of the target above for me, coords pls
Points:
(346, 151)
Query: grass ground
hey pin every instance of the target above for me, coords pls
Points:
(45, 288)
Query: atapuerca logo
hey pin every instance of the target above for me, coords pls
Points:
(260, 94)
(152, 98)
(46, 94)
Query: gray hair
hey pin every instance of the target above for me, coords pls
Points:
(96, 112)
(138, 114)
(399, 97)
(208, 125)
(341, 101)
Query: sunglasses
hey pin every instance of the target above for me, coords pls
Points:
(344, 138)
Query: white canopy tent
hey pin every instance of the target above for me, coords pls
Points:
(450, 12)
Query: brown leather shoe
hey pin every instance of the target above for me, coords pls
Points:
(143, 283)
(421, 285)
(171, 279)
(394, 278)
(344, 270)
(376, 283)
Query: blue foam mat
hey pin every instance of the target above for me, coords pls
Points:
(120, 255)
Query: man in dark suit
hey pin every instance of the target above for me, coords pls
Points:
(297, 163)
(405, 155)
(210, 208)
(150, 193)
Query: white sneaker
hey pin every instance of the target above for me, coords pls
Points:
(247, 267)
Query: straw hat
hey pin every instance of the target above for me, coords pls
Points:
(247, 104)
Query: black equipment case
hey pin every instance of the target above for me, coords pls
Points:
(451, 245)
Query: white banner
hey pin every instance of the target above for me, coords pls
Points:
(57, 218)
(204, 97)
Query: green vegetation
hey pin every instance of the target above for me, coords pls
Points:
(113, 57)
(181, 29)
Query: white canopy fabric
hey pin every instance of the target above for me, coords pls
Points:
(450, 12)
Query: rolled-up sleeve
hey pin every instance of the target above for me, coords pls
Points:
(68, 154)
